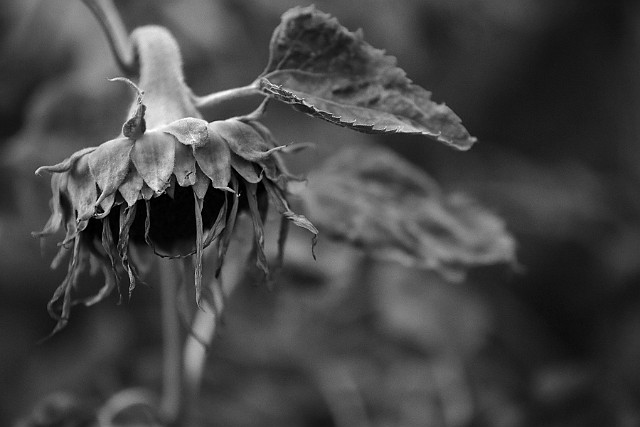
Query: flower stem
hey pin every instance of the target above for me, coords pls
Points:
(117, 36)
(217, 98)
(171, 399)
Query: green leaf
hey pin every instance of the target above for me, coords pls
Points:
(380, 202)
(328, 72)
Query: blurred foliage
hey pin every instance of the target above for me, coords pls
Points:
(551, 91)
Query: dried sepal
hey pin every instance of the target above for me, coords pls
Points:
(131, 187)
(189, 131)
(82, 190)
(184, 168)
(109, 165)
(153, 156)
(213, 159)
(67, 164)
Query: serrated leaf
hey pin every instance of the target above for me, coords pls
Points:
(326, 71)
(380, 202)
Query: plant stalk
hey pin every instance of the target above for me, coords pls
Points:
(171, 400)
(217, 98)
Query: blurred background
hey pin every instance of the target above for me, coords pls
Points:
(551, 90)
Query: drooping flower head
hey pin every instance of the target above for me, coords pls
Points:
(171, 180)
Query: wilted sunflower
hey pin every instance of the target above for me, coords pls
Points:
(179, 184)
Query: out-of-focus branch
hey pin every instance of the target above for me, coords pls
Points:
(117, 35)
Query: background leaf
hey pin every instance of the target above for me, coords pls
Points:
(326, 71)
(376, 200)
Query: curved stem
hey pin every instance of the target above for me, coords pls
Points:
(171, 399)
(112, 25)
(217, 98)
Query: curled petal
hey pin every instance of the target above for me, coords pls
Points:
(66, 164)
(109, 165)
(153, 156)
